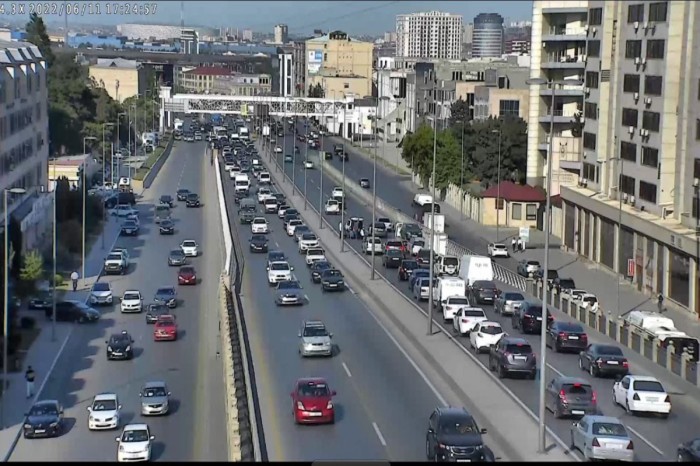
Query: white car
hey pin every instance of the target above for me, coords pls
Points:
(189, 248)
(264, 178)
(416, 245)
(292, 225)
(452, 306)
(498, 250)
(132, 301)
(332, 207)
(588, 300)
(642, 394)
(574, 295)
(122, 210)
(337, 192)
(467, 318)
(308, 240)
(104, 412)
(228, 164)
(388, 224)
(263, 194)
(308, 164)
(259, 225)
(484, 335)
(278, 150)
(315, 255)
(134, 218)
(279, 271)
(135, 443)
(368, 245)
(101, 293)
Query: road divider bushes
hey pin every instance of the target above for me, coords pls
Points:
(165, 144)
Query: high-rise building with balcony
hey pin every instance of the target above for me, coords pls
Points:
(487, 36)
(429, 35)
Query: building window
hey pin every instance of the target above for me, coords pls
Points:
(595, 16)
(593, 49)
(531, 212)
(590, 172)
(628, 151)
(658, 12)
(630, 83)
(679, 283)
(655, 48)
(517, 211)
(500, 203)
(651, 121)
(697, 130)
(650, 157)
(592, 79)
(589, 140)
(653, 85)
(627, 184)
(635, 13)
(509, 108)
(590, 110)
(696, 169)
(647, 192)
(633, 49)
(630, 117)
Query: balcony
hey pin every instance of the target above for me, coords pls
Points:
(562, 61)
(567, 150)
(562, 90)
(564, 34)
(559, 116)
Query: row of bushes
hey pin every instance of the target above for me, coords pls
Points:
(142, 171)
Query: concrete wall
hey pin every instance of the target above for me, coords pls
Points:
(120, 84)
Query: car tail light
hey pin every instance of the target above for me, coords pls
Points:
(630, 446)
(635, 397)
(300, 405)
(562, 395)
(668, 399)
(625, 364)
(584, 337)
(563, 334)
(595, 443)
(329, 405)
(594, 398)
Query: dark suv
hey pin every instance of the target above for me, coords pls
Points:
(563, 284)
(483, 291)
(529, 318)
(513, 355)
(453, 435)
(567, 336)
(570, 396)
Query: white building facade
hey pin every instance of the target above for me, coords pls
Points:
(429, 35)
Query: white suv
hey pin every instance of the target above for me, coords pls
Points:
(467, 318)
(259, 225)
(498, 250)
(337, 192)
(279, 272)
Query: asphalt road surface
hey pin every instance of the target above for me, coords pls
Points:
(382, 404)
(195, 429)
(655, 439)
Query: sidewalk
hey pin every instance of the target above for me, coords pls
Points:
(45, 350)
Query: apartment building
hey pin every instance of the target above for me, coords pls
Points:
(24, 127)
(119, 77)
(431, 34)
(220, 80)
(281, 34)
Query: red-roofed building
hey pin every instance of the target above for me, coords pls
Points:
(518, 205)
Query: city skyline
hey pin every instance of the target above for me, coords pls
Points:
(359, 18)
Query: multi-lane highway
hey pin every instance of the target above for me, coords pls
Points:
(196, 428)
(655, 439)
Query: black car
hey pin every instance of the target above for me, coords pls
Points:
(483, 291)
(566, 336)
(182, 194)
(44, 419)
(126, 198)
(41, 300)
(406, 269)
(166, 295)
(332, 280)
(454, 436)
(317, 268)
(603, 360)
(529, 318)
(563, 284)
(166, 199)
(423, 258)
(192, 200)
(280, 198)
(177, 258)
(166, 227)
(119, 346)
(73, 311)
(689, 451)
(258, 243)
(411, 230)
(153, 311)
(111, 201)
(392, 259)
(130, 228)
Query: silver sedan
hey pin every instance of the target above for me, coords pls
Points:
(602, 438)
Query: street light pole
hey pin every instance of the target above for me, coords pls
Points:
(84, 183)
(119, 144)
(374, 190)
(342, 204)
(432, 217)
(321, 161)
(619, 224)
(498, 188)
(306, 152)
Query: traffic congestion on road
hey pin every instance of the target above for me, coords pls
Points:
(653, 437)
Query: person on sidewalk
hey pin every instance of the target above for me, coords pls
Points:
(660, 302)
(513, 243)
(29, 377)
(521, 244)
(74, 278)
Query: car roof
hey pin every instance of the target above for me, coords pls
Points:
(136, 427)
(105, 397)
(643, 378)
(601, 418)
(515, 341)
(317, 380)
(314, 323)
(154, 384)
(453, 411)
(489, 323)
(46, 403)
(564, 379)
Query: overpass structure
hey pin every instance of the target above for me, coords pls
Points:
(247, 105)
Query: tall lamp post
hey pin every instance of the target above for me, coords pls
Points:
(104, 168)
(132, 108)
(321, 160)
(432, 222)
(84, 184)
(119, 143)
(342, 204)
(545, 268)
(6, 295)
(306, 151)
(374, 187)
(498, 187)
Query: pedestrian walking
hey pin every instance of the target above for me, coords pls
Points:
(29, 376)
(362, 233)
(74, 278)
(513, 243)
(521, 245)
(660, 302)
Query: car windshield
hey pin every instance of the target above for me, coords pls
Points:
(313, 389)
(332, 273)
(474, 313)
(157, 309)
(99, 286)
(513, 297)
(648, 386)
(315, 331)
(609, 350)
(104, 405)
(409, 264)
(485, 285)
(308, 237)
(165, 291)
(279, 266)
(165, 322)
(119, 339)
(321, 265)
(192, 196)
(518, 348)
(189, 244)
(491, 330)
(499, 246)
(383, 220)
(394, 253)
(532, 263)
(567, 284)
(259, 221)
(569, 327)
(131, 296)
(151, 392)
(187, 270)
(133, 436)
(176, 253)
(534, 311)
(609, 429)
(314, 252)
(457, 300)
(454, 425)
(114, 257)
(257, 238)
(43, 410)
(288, 285)
(129, 223)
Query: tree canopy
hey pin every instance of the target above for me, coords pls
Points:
(39, 36)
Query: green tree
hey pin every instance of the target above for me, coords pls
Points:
(513, 150)
(39, 36)
(418, 151)
(459, 113)
(32, 268)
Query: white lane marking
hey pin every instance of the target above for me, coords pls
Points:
(306, 297)
(555, 370)
(277, 244)
(379, 434)
(350, 289)
(347, 371)
(651, 445)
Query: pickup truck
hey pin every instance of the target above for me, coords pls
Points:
(117, 262)
(315, 254)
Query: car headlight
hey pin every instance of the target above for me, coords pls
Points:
(54, 424)
(27, 426)
(109, 348)
(93, 298)
(128, 348)
(341, 282)
(329, 405)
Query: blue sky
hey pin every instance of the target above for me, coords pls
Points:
(355, 17)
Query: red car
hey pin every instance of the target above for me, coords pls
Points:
(186, 276)
(165, 328)
(312, 402)
(396, 244)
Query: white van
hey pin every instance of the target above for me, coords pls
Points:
(241, 183)
(473, 268)
(422, 199)
(651, 321)
(446, 287)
